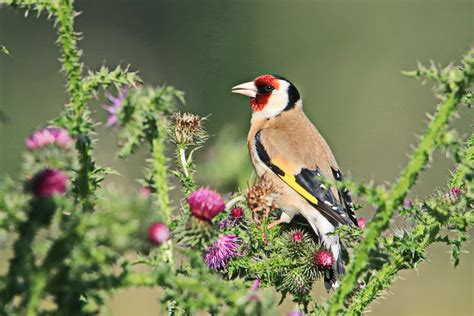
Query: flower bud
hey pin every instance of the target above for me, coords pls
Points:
(145, 192)
(324, 259)
(455, 192)
(361, 222)
(205, 204)
(407, 203)
(49, 182)
(237, 213)
(297, 237)
(188, 129)
(158, 233)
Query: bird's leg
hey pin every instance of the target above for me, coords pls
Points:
(284, 218)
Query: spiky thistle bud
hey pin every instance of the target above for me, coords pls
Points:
(297, 237)
(260, 199)
(205, 204)
(188, 129)
(324, 259)
(49, 182)
(237, 213)
(454, 193)
(158, 233)
(297, 283)
(298, 243)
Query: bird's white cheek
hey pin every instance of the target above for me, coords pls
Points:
(276, 104)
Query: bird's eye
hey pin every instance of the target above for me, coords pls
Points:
(268, 88)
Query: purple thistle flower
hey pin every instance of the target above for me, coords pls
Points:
(455, 192)
(407, 203)
(49, 136)
(253, 288)
(205, 204)
(158, 233)
(49, 182)
(116, 103)
(255, 285)
(220, 252)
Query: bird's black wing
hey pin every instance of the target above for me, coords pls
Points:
(306, 183)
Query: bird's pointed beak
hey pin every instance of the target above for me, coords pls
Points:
(249, 89)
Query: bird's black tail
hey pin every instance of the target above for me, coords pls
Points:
(331, 275)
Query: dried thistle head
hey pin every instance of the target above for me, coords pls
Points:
(260, 199)
(188, 129)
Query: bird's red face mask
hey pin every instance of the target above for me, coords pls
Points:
(260, 91)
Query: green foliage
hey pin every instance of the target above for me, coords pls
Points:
(452, 83)
(72, 250)
(144, 110)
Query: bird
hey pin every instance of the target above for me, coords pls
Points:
(288, 150)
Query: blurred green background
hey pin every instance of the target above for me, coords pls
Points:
(345, 57)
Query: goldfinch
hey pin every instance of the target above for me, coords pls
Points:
(287, 149)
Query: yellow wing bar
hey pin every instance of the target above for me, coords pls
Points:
(290, 179)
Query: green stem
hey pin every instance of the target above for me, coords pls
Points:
(22, 265)
(160, 176)
(380, 222)
(183, 161)
(76, 115)
(185, 175)
(70, 55)
(463, 167)
(385, 276)
(39, 282)
(377, 283)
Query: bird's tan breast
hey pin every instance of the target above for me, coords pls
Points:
(293, 138)
(290, 139)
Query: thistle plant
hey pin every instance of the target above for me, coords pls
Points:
(74, 241)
